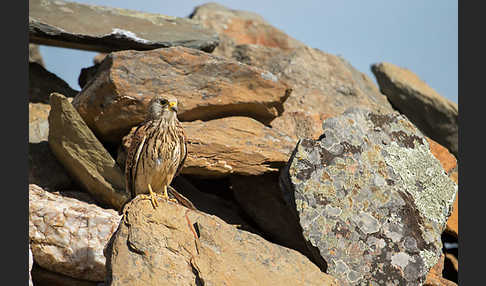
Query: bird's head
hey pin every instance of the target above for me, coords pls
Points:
(162, 106)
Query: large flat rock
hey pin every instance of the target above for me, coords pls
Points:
(324, 85)
(236, 27)
(83, 156)
(67, 236)
(436, 116)
(172, 245)
(106, 29)
(371, 197)
(206, 87)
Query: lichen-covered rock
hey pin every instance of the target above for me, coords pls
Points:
(206, 87)
(371, 197)
(67, 235)
(173, 245)
(436, 116)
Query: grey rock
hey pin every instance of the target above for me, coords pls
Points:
(436, 116)
(42, 83)
(34, 55)
(105, 29)
(371, 197)
(83, 156)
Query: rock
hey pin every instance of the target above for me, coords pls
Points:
(34, 55)
(371, 197)
(449, 163)
(43, 277)
(230, 145)
(83, 156)
(31, 262)
(44, 169)
(436, 116)
(236, 27)
(206, 86)
(323, 86)
(172, 245)
(226, 210)
(261, 199)
(234, 145)
(67, 236)
(77, 26)
(38, 124)
(434, 278)
(42, 83)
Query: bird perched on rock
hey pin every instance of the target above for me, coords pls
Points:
(157, 150)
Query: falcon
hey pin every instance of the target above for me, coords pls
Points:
(157, 150)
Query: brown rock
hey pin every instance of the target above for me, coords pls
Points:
(42, 83)
(434, 115)
(83, 156)
(434, 278)
(226, 210)
(206, 87)
(449, 163)
(67, 236)
(323, 86)
(230, 145)
(78, 26)
(172, 245)
(34, 55)
(236, 27)
(38, 124)
(234, 145)
(261, 198)
(44, 169)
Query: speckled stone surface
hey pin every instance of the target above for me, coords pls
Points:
(371, 197)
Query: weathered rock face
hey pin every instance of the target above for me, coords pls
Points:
(44, 169)
(436, 116)
(83, 156)
(434, 278)
(240, 27)
(38, 125)
(206, 87)
(230, 145)
(77, 26)
(261, 199)
(31, 262)
(68, 236)
(449, 163)
(172, 245)
(34, 55)
(234, 145)
(42, 83)
(323, 85)
(371, 197)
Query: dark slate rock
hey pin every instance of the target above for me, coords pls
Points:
(371, 197)
(104, 29)
(42, 83)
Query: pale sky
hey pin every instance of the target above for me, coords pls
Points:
(419, 35)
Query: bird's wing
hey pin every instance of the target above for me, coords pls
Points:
(183, 155)
(131, 164)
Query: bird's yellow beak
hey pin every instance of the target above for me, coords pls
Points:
(173, 105)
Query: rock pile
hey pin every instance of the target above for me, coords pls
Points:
(299, 169)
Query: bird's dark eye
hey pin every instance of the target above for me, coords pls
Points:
(163, 101)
